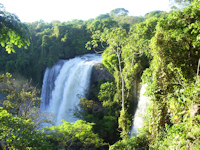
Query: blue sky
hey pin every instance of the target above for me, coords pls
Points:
(66, 10)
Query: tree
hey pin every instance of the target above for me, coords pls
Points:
(20, 133)
(101, 24)
(179, 34)
(172, 81)
(156, 13)
(22, 100)
(119, 12)
(115, 38)
(119, 58)
(12, 31)
(103, 16)
(180, 4)
(74, 135)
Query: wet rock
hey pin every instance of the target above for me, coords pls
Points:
(99, 72)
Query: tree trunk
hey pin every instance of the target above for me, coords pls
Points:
(122, 77)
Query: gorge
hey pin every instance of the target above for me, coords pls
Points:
(69, 80)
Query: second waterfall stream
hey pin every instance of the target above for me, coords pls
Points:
(143, 104)
(64, 84)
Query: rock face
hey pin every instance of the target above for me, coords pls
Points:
(100, 73)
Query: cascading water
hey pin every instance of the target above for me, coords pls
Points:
(48, 83)
(64, 84)
(140, 111)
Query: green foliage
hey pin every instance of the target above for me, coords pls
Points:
(122, 60)
(141, 35)
(10, 66)
(72, 135)
(156, 13)
(19, 133)
(171, 83)
(99, 24)
(119, 11)
(133, 143)
(169, 42)
(50, 42)
(178, 34)
(21, 120)
(56, 40)
(20, 116)
(88, 107)
(124, 124)
(103, 111)
(180, 4)
(21, 101)
(106, 94)
(103, 16)
(180, 136)
(12, 31)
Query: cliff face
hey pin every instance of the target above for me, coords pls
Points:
(100, 73)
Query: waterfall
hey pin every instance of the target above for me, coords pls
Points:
(64, 84)
(48, 83)
(140, 111)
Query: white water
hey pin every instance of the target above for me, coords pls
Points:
(143, 104)
(64, 84)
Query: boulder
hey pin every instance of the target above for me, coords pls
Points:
(99, 72)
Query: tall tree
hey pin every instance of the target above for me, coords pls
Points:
(115, 58)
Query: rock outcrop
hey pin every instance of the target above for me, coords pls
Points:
(100, 73)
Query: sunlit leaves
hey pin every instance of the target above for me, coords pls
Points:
(178, 34)
(19, 133)
(20, 100)
(68, 134)
(12, 31)
(106, 94)
(119, 58)
(171, 83)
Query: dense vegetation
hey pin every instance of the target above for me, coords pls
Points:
(160, 48)
(53, 41)
(50, 42)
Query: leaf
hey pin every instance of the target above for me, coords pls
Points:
(2, 44)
